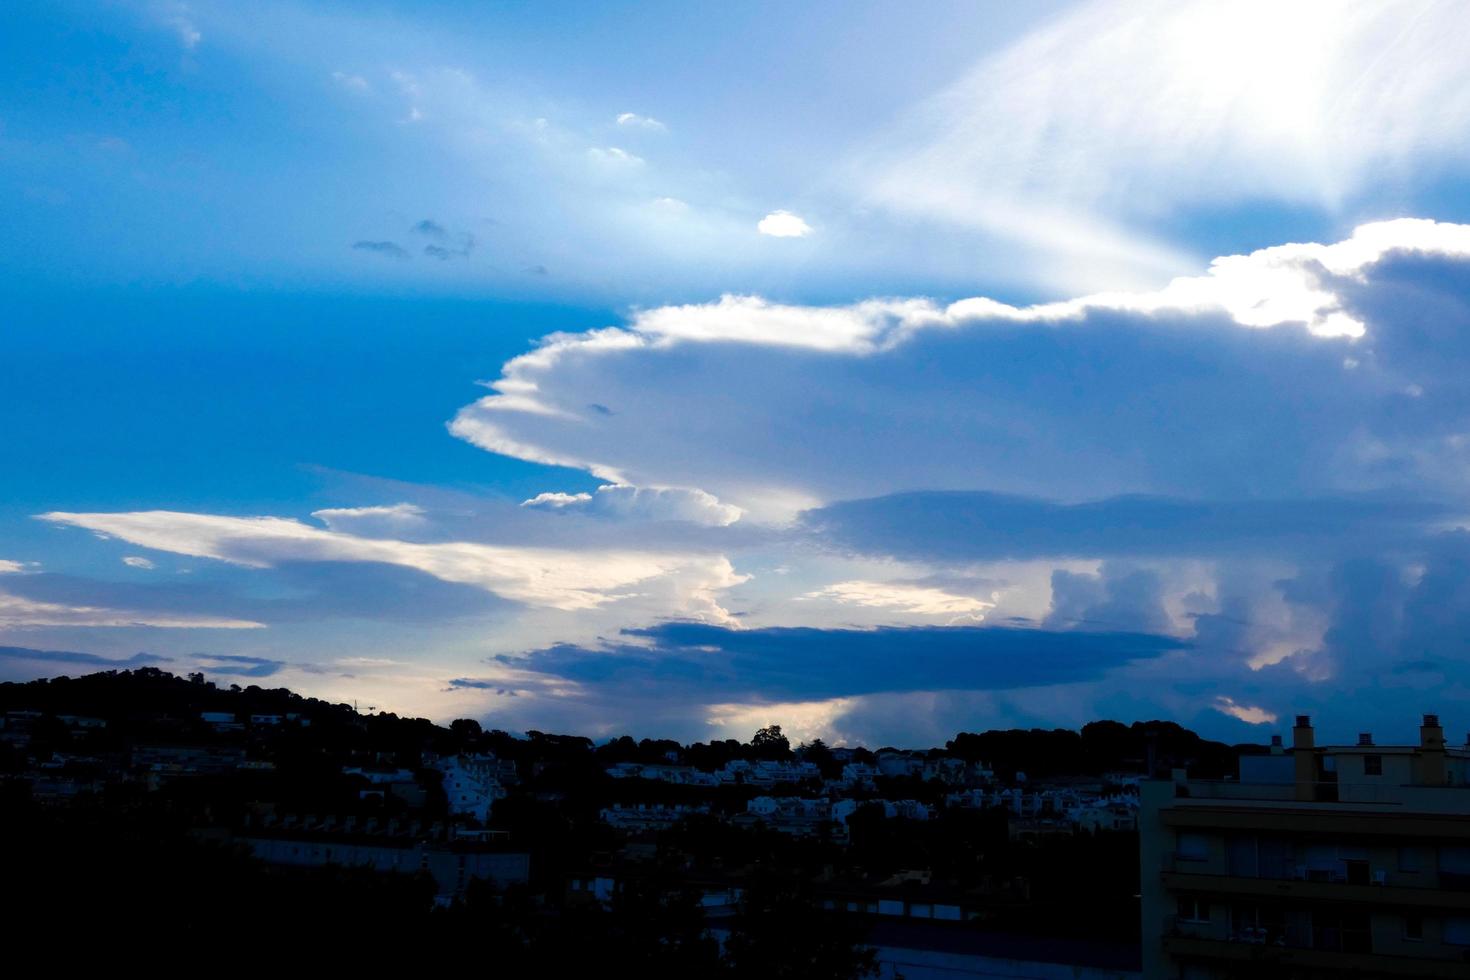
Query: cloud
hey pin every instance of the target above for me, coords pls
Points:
(390, 250)
(973, 525)
(624, 502)
(632, 120)
(1247, 713)
(352, 83)
(783, 224)
(558, 579)
(614, 157)
(710, 664)
(9, 567)
(902, 597)
(1307, 104)
(373, 521)
(85, 659)
(445, 244)
(180, 19)
(17, 611)
(137, 561)
(475, 684)
(234, 665)
(1109, 394)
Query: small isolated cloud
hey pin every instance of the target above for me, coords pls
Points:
(632, 120)
(352, 83)
(671, 204)
(444, 244)
(476, 684)
(137, 561)
(391, 250)
(642, 503)
(178, 18)
(366, 662)
(8, 567)
(783, 224)
(1249, 714)
(614, 156)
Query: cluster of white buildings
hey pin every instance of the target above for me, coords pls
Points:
(472, 783)
(648, 816)
(765, 772)
(1067, 808)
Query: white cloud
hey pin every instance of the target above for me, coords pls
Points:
(8, 567)
(783, 224)
(553, 500)
(180, 19)
(16, 611)
(914, 599)
(1249, 714)
(632, 120)
(800, 721)
(352, 83)
(393, 519)
(642, 503)
(945, 402)
(137, 561)
(614, 156)
(1084, 132)
(558, 579)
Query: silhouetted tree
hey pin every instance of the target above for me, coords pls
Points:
(769, 743)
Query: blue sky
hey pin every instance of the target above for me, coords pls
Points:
(879, 371)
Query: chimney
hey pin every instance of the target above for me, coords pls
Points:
(1303, 750)
(1431, 752)
(1276, 747)
(1365, 738)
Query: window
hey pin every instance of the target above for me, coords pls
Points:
(1373, 765)
(1456, 931)
(1193, 909)
(1414, 927)
(1411, 858)
(1193, 847)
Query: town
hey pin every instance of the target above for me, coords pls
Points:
(133, 798)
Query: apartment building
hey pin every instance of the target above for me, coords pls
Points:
(1319, 861)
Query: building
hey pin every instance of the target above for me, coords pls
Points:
(472, 784)
(1320, 861)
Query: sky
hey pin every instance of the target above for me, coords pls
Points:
(880, 371)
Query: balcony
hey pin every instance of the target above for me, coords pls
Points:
(1178, 877)
(1345, 951)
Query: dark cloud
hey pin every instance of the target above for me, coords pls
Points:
(1117, 598)
(307, 591)
(971, 526)
(472, 684)
(712, 663)
(390, 250)
(445, 245)
(230, 665)
(72, 657)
